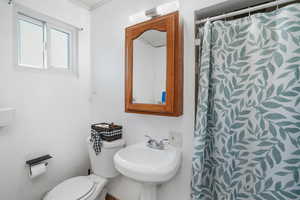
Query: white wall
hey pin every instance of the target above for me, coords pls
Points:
(108, 47)
(53, 110)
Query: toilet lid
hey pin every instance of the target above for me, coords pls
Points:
(72, 189)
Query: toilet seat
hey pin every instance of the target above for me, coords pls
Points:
(77, 188)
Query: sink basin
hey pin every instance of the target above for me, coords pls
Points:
(147, 165)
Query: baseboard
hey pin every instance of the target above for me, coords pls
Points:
(110, 197)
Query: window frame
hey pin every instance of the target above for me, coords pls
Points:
(48, 23)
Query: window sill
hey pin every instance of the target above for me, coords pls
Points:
(26, 68)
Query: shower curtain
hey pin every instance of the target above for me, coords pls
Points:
(247, 136)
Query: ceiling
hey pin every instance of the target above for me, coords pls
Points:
(90, 4)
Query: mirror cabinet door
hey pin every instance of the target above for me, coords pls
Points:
(153, 67)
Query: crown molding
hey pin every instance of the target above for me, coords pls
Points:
(80, 4)
(89, 7)
(99, 4)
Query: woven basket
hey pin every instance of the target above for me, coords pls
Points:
(108, 132)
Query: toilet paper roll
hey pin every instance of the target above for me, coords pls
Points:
(37, 170)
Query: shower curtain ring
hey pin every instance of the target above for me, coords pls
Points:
(208, 19)
(225, 15)
(249, 13)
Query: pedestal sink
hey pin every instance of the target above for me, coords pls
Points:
(148, 166)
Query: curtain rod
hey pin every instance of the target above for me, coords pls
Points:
(243, 11)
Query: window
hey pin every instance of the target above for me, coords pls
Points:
(31, 42)
(44, 43)
(60, 51)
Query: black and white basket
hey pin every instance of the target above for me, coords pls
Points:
(108, 132)
(104, 132)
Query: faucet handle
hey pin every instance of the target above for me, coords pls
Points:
(149, 137)
(151, 140)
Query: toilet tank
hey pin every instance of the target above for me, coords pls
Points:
(103, 164)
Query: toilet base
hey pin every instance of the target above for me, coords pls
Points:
(102, 194)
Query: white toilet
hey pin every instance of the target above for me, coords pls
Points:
(90, 187)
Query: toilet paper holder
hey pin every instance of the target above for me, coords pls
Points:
(38, 160)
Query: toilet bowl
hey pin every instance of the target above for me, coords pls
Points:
(92, 187)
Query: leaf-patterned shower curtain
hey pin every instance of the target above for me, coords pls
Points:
(247, 137)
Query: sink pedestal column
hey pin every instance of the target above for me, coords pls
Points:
(148, 192)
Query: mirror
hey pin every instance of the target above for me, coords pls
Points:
(149, 68)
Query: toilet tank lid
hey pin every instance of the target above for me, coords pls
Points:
(113, 144)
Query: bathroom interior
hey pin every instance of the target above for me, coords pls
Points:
(150, 100)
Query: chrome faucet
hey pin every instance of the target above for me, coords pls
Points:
(155, 144)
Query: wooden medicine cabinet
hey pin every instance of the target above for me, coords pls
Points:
(154, 67)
